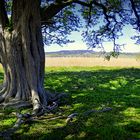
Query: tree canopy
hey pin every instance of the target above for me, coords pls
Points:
(101, 20)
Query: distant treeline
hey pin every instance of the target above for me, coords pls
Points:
(86, 53)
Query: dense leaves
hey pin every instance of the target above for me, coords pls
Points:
(102, 20)
(61, 26)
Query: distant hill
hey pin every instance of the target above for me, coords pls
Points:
(85, 53)
(70, 53)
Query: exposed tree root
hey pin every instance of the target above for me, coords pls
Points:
(54, 101)
(16, 104)
(28, 118)
(85, 114)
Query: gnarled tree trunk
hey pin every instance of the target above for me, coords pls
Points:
(22, 55)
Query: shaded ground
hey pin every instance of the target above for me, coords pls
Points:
(90, 88)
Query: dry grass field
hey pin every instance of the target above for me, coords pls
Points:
(91, 61)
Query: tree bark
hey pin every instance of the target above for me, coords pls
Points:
(22, 56)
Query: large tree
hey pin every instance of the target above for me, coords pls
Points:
(25, 24)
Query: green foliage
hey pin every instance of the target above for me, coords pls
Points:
(111, 54)
(115, 3)
(9, 5)
(9, 25)
(90, 88)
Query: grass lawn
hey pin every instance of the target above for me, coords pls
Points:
(89, 88)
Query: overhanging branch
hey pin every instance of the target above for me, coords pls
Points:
(136, 14)
(56, 7)
(83, 3)
(52, 10)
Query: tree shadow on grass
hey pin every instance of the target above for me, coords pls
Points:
(98, 87)
(118, 89)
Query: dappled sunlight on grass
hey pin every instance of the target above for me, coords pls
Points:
(90, 89)
(100, 88)
(6, 120)
(132, 112)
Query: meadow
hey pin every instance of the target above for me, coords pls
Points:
(89, 88)
(92, 61)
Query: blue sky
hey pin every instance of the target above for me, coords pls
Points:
(108, 46)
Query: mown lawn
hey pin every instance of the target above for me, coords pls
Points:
(89, 88)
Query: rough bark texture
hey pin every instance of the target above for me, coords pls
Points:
(22, 56)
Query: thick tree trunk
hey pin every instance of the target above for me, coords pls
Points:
(22, 56)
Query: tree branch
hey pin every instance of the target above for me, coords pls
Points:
(83, 3)
(56, 7)
(3, 15)
(136, 13)
(104, 10)
(52, 10)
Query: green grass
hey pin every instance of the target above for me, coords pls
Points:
(90, 88)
